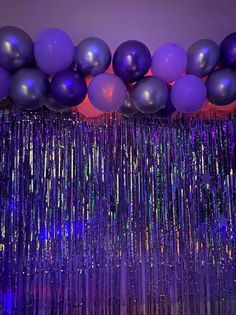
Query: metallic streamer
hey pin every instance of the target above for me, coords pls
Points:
(125, 216)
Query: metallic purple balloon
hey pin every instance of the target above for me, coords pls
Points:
(221, 87)
(92, 56)
(16, 48)
(29, 88)
(68, 88)
(188, 94)
(149, 95)
(107, 92)
(131, 61)
(54, 106)
(168, 108)
(54, 51)
(228, 50)
(203, 57)
(169, 61)
(4, 83)
(128, 108)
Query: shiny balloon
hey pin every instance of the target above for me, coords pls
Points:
(131, 61)
(16, 48)
(128, 108)
(54, 106)
(54, 51)
(149, 95)
(4, 83)
(29, 88)
(188, 94)
(169, 62)
(92, 56)
(228, 51)
(169, 108)
(221, 87)
(68, 88)
(107, 92)
(203, 57)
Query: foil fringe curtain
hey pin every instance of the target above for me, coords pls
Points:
(123, 217)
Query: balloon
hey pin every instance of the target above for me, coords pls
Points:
(92, 56)
(228, 50)
(4, 83)
(16, 48)
(68, 88)
(87, 109)
(54, 106)
(29, 88)
(131, 61)
(221, 87)
(188, 94)
(128, 108)
(203, 57)
(168, 107)
(149, 95)
(107, 92)
(54, 51)
(169, 62)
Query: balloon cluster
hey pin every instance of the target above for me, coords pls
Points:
(52, 72)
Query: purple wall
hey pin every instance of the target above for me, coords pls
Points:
(151, 21)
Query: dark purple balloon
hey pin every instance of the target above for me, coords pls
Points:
(203, 57)
(128, 108)
(54, 106)
(16, 48)
(131, 61)
(149, 95)
(4, 83)
(68, 88)
(221, 87)
(92, 56)
(29, 88)
(228, 50)
(168, 107)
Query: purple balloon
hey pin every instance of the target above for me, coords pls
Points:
(107, 92)
(68, 88)
(54, 51)
(4, 83)
(29, 88)
(168, 62)
(131, 61)
(228, 50)
(188, 94)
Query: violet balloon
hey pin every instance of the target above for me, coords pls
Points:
(203, 57)
(169, 62)
(4, 83)
(68, 88)
(131, 61)
(92, 56)
(228, 50)
(54, 51)
(16, 48)
(29, 88)
(221, 87)
(107, 92)
(188, 94)
(149, 95)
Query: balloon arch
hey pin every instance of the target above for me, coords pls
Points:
(52, 72)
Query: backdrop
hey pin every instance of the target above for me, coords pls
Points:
(151, 21)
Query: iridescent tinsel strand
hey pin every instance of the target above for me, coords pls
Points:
(130, 216)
